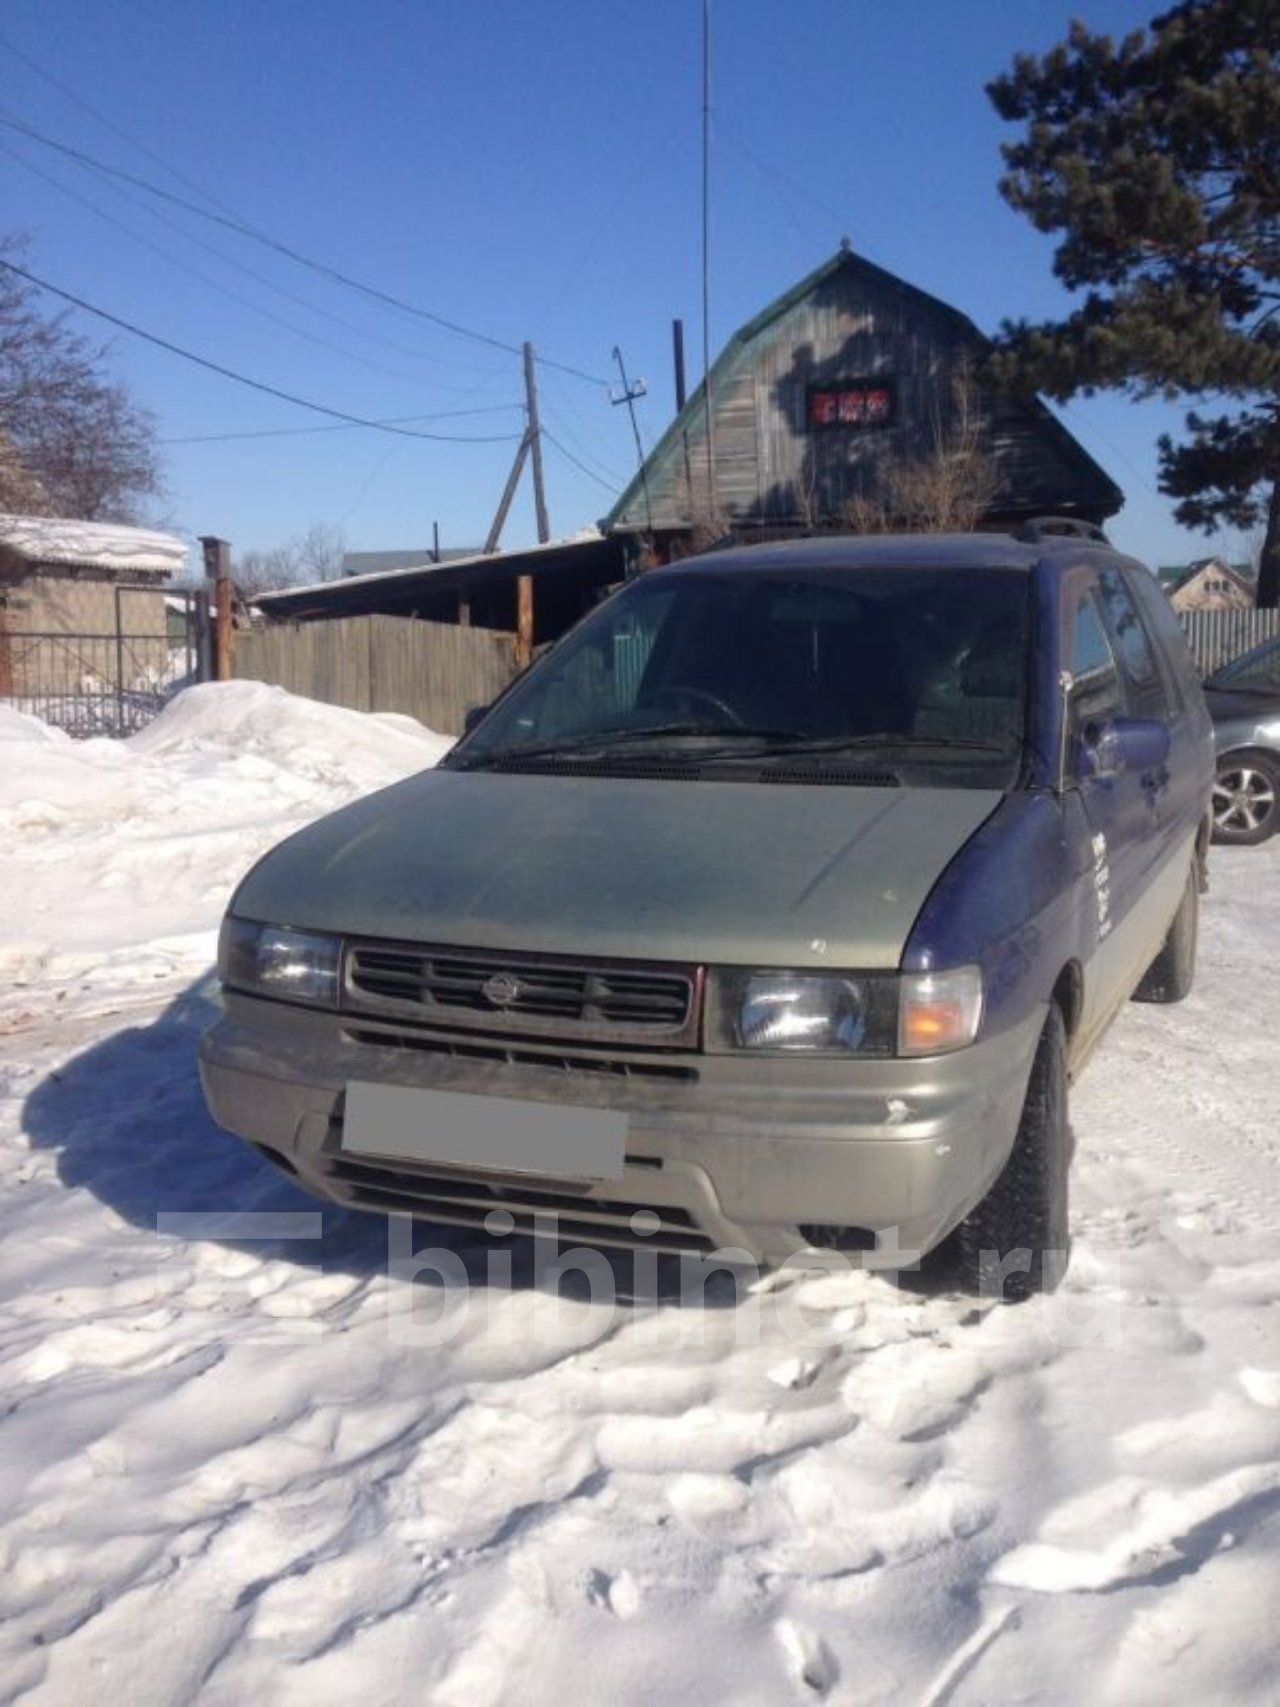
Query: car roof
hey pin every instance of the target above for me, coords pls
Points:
(898, 551)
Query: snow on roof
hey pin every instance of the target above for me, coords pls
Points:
(99, 545)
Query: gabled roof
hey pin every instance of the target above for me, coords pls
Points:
(1106, 492)
(108, 546)
(1174, 580)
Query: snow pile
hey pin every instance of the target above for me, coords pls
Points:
(111, 845)
(252, 1451)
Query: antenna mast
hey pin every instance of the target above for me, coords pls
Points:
(706, 259)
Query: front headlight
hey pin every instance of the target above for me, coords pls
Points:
(815, 1012)
(272, 960)
(849, 1013)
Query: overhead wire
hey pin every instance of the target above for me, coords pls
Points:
(244, 379)
(211, 283)
(558, 421)
(338, 427)
(322, 268)
(609, 486)
(152, 212)
(103, 119)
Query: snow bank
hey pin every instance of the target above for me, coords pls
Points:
(113, 845)
(248, 1457)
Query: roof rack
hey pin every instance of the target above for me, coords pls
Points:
(1039, 528)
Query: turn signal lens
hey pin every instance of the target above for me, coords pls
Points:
(939, 1011)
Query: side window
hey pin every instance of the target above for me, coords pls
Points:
(1147, 695)
(1097, 691)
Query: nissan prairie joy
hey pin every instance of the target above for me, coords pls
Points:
(773, 907)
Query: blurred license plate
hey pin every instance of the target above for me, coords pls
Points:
(407, 1123)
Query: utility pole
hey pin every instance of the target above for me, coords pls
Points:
(628, 395)
(534, 431)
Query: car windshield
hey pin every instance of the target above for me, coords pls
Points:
(1257, 670)
(903, 671)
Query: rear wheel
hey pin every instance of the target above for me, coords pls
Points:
(1246, 798)
(1171, 974)
(1016, 1242)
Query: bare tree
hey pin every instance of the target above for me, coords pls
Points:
(314, 555)
(72, 440)
(951, 489)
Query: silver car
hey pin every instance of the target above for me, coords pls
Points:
(772, 908)
(1244, 702)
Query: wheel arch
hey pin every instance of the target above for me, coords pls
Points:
(1068, 995)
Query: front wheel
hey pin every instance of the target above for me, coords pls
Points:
(1246, 798)
(1016, 1242)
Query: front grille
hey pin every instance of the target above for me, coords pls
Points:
(455, 1200)
(462, 1049)
(524, 993)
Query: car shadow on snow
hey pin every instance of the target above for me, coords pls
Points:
(127, 1121)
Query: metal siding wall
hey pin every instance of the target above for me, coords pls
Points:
(429, 670)
(1217, 636)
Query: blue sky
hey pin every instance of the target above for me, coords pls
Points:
(528, 171)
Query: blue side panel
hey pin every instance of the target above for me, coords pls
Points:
(1018, 901)
(1044, 706)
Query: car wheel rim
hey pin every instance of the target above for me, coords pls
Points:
(1243, 799)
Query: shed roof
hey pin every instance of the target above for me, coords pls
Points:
(109, 546)
(388, 590)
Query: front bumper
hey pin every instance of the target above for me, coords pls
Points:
(725, 1152)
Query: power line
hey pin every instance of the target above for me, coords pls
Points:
(204, 278)
(111, 125)
(291, 254)
(601, 465)
(570, 457)
(252, 273)
(243, 379)
(341, 427)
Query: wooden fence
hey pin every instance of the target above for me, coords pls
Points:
(1215, 636)
(430, 670)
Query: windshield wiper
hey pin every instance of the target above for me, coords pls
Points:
(601, 740)
(854, 743)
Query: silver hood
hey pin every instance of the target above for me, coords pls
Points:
(717, 872)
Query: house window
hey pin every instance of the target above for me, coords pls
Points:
(855, 403)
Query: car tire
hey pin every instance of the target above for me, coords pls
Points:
(1171, 974)
(1016, 1242)
(1246, 799)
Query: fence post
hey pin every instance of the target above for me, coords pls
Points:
(524, 621)
(217, 568)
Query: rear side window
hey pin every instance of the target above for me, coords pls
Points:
(1146, 692)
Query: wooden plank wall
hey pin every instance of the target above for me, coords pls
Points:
(430, 670)
(1217, 636)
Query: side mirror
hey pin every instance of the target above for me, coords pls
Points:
(1105, 749)
(471, 716)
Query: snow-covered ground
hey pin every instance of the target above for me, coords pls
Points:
(247, 1455)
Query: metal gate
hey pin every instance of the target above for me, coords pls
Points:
(116, 681)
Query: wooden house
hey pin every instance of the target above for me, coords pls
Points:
(820, 403)
(1211, 584)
